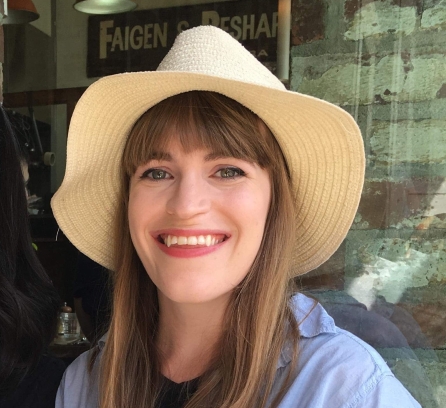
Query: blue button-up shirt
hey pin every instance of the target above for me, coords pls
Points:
(335, 369)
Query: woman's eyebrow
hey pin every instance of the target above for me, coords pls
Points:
(215, 156)
(164, 156)
(160, 156)
(220, 155)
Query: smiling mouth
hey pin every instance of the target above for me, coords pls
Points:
(191, 241)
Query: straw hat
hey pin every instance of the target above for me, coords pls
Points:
(321, 143)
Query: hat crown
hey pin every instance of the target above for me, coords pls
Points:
(211, 51)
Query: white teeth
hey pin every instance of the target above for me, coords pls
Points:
(207, 240)
(192, 241)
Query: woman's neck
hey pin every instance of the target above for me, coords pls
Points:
(187, 337)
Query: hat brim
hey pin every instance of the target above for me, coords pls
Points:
(321, 143)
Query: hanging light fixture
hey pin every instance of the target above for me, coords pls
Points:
(19, 12)
(104, 6)
(283, 40)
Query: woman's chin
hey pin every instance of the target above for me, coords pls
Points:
(192, 297)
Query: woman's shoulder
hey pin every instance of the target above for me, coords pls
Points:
(337, 369)
(323, 344)
(78, 387)
(76, 371)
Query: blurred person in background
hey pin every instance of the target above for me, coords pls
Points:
(29, 303)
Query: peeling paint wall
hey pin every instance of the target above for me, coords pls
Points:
(384, 61)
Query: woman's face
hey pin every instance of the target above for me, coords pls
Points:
(197, 221)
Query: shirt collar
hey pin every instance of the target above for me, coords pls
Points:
(312, 319)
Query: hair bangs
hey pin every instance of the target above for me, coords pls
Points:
(199, 121)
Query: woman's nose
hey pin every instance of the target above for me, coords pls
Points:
(190, 197)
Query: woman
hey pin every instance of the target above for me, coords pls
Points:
(207, 186)
(29, 377)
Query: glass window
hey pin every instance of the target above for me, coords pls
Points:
(382, 61)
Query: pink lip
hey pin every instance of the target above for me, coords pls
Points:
(190, 252)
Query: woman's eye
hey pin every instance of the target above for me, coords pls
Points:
(156, 174)
(230, 172)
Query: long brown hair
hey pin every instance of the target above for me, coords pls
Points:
(28, 299)
(258, 320)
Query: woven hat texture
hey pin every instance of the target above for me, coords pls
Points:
(320, 141)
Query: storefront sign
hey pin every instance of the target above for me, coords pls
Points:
(138, 41)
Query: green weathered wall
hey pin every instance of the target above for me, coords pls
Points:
(385, 63)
